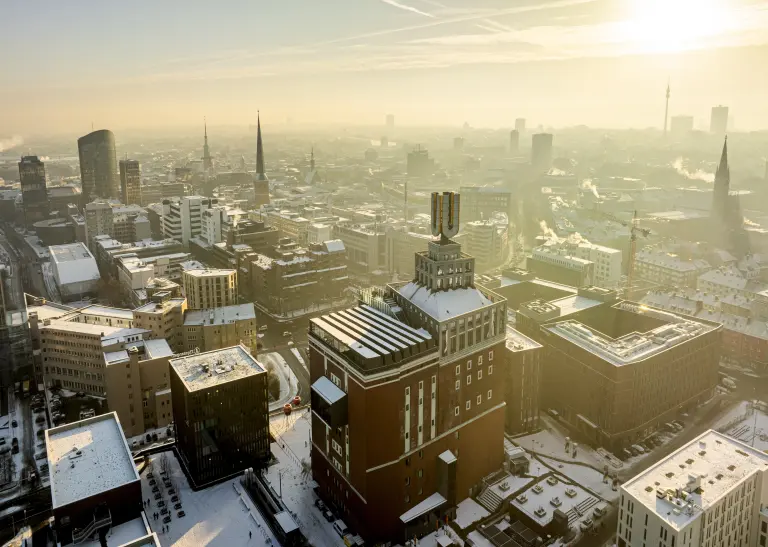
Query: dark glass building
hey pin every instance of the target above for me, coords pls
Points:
(98, 165)
(220, 408)
(130, 182)
(33, 189)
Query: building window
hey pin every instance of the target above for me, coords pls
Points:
(479, 399)
(421, 473)
(469, 365)
(407, 499)
(458, 385)
(479, 360)
(458, 370)
(407, 481)
(456, 411)
(490, 392)
(479, 374)
(468, 405)
(490, 370)
(490, 355)
(469, 379)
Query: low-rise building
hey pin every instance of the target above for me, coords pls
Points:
(220, 408)
(711, 492)
(218, 328)
(561, 265)
(668, 269)
(163, 317)
(209, 288)
(94, 482)
(291, 225)
(366, 247)
(74, 270)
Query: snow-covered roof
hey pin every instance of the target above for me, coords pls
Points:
(575, 303)
(105, 311)
(220, 316)
(334, 246)
(444, 304)
(328, 390)
(706, 469)
(73, 263)
(87, 458)
(286, 522)
(155, 349)
(516, 341)
(432, 502)
(210, 272)
(447, 457)
(211, 368)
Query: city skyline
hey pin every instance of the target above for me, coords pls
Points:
(420, 59)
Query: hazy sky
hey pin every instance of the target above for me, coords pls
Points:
(150, 63)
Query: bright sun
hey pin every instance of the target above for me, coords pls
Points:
(668, 26)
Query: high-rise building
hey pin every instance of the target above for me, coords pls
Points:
(681, 125)
(520, 125)
(712, 492)
(514, 141)
(98, 165)
(34, 194)
(183, 218)
(219, 328)
(405, 387)
(99, 220)
(220, 407)
(130, 182)
(718, 123)
(209, 288)
(390, 122)
(419, 163)
(261, 182)
(541, 152)
(666, 112)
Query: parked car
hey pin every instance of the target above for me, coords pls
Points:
(340, 527)
(2, 441)
(174, 498)
(38, 420)
(167, 519)
(15, 449)
(164, 511)
(586, 524)
(177, 506)
(181, 514)
(287, 333)
(328, 515)
(161, 503)
(262, 328)
(41, 456)
(158, 496)
(155, 489)
(320, 505)
(15, 441)
(171, 492)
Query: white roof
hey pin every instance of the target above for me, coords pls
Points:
(220, 316)
(223, 365)
(210, 272)
(432, 502)
(105, 311)
(157, 348)
(447, 457)
(104, 461)
(286, 522)
(575, 303)
(328, 390)
(516, 341)
(443, 305)
(334, 245)
(714, 462)
(73, 263)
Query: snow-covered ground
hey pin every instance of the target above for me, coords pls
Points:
(747, 423)
(469, 511)
(297, 353)
(550, 441)
(217, 516)
(289, 385)
(584, 476)
(291, 450)
(141, 440)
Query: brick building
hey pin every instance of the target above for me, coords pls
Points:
(407, 409)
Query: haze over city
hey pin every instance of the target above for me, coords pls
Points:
(565, 62)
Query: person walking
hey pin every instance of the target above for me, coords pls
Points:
(250, 534)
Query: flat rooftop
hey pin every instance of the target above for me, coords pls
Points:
(105, 311)
(516, 341)
(706, 469)
(212, 368)
(87, 458)
(209, 272)
(220, 316)
(70, 252)
(654, 331)
(159, 307)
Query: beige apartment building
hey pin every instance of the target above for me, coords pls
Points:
(218, 328)
(164, 318)
(211, 288)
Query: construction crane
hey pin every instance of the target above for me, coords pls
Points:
(634, 229)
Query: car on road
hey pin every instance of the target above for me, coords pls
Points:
(15, 449)
(177, 506)
(340, 527)
(290, 342)
(287, 333)
(181, 514)
(15, 441)
(41, 456)
(586, 524)
(320, 505)
(167, 519)
(174, 498)
(263, 328)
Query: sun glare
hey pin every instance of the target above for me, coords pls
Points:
(669, 26)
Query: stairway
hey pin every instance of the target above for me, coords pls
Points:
(490, 500)
(78, 536)
(583, 509)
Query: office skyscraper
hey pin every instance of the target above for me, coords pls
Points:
(718, 123)
(130, 182)
(390, 122)
(666, 112)
(520, 125)
(514, 141)
(541, 152)
(98, 165)
(33, 189)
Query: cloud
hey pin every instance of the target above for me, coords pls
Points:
(12, 142)
(404, 7)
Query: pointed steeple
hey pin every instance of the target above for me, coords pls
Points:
(207, 160)
(260, 175)
(312, 160)
(723, 169)
(722, 184)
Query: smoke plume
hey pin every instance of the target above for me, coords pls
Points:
(12, 142)
(549, 232)
(695, 175)
(587, 184)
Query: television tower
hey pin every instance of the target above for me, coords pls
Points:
(666, 111)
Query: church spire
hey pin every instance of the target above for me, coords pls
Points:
(312, 159)
(207, 161)
(722, 184)
(723, 170)
(260, 175)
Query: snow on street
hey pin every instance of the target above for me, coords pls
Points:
(748, 423)
(289, 385)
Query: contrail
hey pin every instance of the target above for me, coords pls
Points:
(407, 8)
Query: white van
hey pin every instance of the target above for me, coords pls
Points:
(340, 528)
